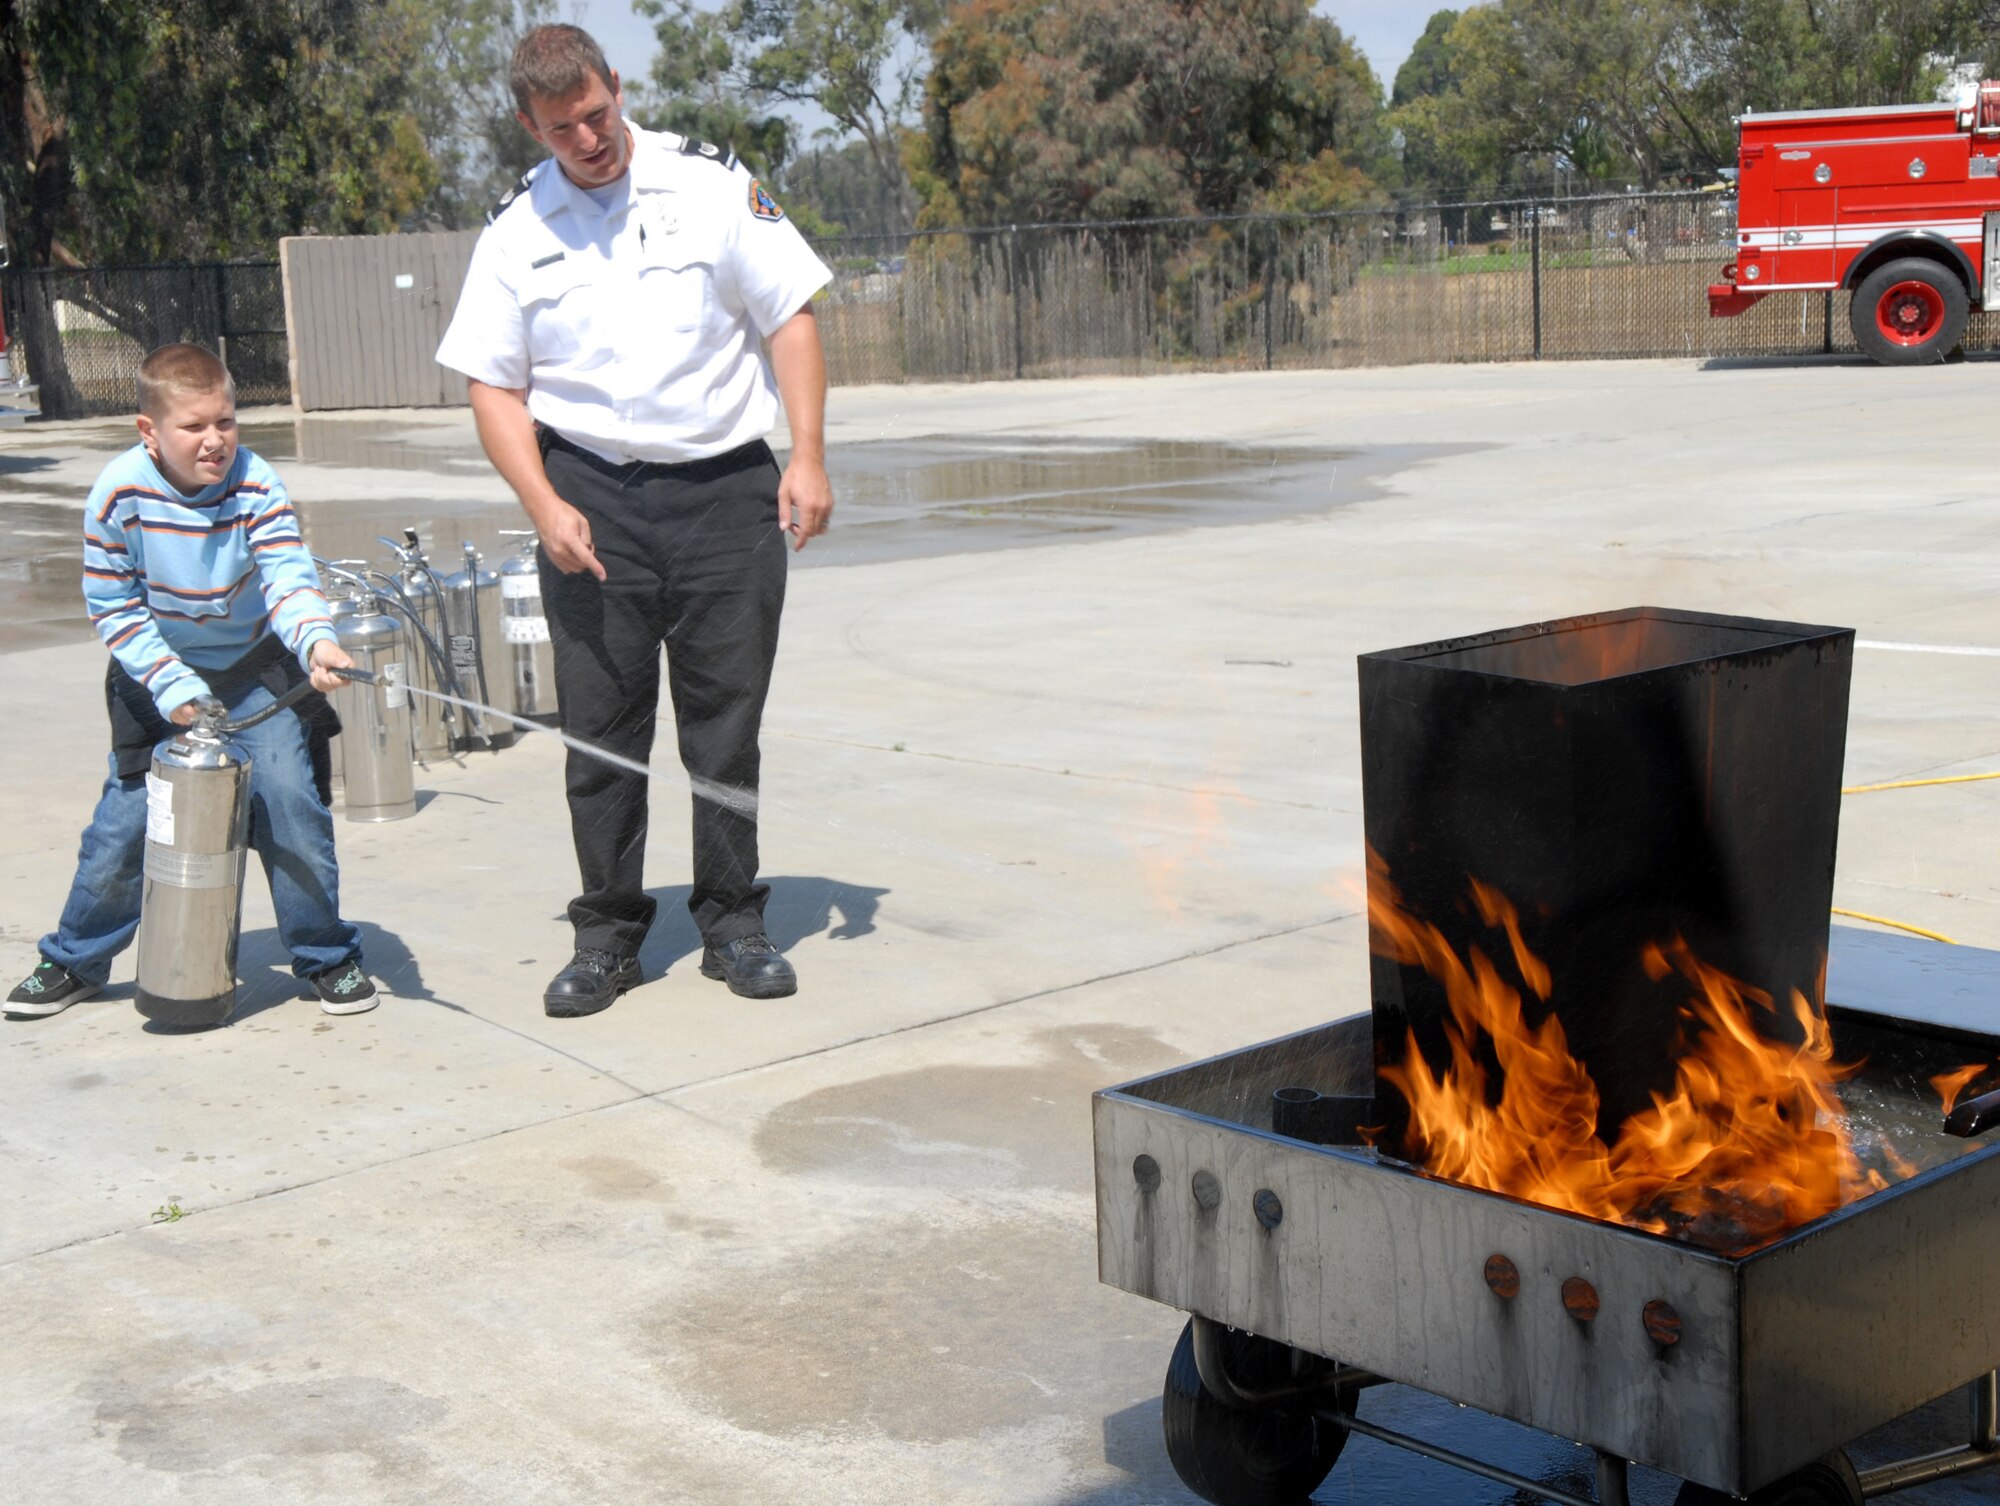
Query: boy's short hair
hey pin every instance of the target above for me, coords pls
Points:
(553, 62)
(174, 372)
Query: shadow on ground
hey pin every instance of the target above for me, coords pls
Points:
(800, 906)
(265, 981)
(1838, 358)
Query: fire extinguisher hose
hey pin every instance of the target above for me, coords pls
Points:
(288, 700)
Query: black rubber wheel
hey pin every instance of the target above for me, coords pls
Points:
(1910, 312)
(1828, 1481)
(1253, 1456)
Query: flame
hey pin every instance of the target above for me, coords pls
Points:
(1750, 1141)
(1950, 1085)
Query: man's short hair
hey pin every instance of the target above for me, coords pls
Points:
(553, 62)
(175, 372)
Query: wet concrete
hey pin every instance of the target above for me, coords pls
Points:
(1039, 820)
(356, 482)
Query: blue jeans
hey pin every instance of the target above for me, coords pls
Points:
(290, 831)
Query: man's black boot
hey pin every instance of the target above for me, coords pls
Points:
(751, 966)
(589, 983)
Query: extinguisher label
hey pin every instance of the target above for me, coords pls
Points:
(395, 690)
(159, 811)
(194, 870)
(525, 629)
(520, 585)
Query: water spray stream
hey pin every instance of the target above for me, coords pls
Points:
(742, 801)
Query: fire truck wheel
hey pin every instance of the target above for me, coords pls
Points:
(1244, 1456)
(1827, 1481)
(1910, 312)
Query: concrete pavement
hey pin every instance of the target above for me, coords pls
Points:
(1037, 820)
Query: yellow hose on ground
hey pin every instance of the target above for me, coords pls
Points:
(1900, 925)
(1911, 784)
(1908, 784)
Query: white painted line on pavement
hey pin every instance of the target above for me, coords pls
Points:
(1928, 648)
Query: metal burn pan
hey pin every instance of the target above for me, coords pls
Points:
(1633, 817)
(1729, 1371)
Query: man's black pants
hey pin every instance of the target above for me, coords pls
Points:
(695, 560)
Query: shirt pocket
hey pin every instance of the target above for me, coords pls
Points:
(556, 309)
(677, 282)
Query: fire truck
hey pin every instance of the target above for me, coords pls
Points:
(1899, 205)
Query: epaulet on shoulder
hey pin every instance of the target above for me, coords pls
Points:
(722, 156)
(511, 195)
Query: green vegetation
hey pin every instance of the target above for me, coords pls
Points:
(160, 130)
(1588, 95)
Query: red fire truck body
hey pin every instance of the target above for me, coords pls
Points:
(1899, 205)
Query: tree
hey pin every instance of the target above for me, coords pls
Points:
(1420, 121)
(1584, 82)
(698, 90)
(858, 61)
(841, 187)
(1428, 70)
(1643, 91)
(153, 130)
(464, 107)
(1780, 54)
(1108, 109)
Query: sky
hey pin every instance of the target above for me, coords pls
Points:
(1385, 30)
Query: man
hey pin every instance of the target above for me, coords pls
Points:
(610, 326)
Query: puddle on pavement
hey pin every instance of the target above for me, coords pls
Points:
(896, 499)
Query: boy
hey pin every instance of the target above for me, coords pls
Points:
(200, 584)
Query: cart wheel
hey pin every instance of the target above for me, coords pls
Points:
(1827, 1481)
(1252, 1456)
(1909, 312)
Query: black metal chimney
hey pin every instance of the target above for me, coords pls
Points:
(1622, 778)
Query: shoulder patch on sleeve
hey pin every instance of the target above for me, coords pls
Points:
(762, 204)
(510, 196)
(722, 156)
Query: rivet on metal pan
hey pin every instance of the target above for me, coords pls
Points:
(1146, 1172)
(1207, 1191)
(1270, 1212)
(1503, 1276)
(1580, 1299)
(1663, 1324)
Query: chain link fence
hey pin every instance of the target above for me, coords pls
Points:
(82, 334)
(1596, 278)
(1559, 279)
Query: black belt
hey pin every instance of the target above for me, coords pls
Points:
(756, 452)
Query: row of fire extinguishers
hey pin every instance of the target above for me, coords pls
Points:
(474, 635)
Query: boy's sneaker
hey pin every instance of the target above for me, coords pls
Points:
(49, 989)
(345, 990)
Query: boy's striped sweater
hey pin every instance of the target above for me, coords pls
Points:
(177, 584)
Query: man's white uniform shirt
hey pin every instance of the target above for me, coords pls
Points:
(635, 328)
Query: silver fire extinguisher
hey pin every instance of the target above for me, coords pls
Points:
(374, 711)
(197, 833)
(432, 722)
(526, 629)
(478, 645)
(197, 822)
(340, 605)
